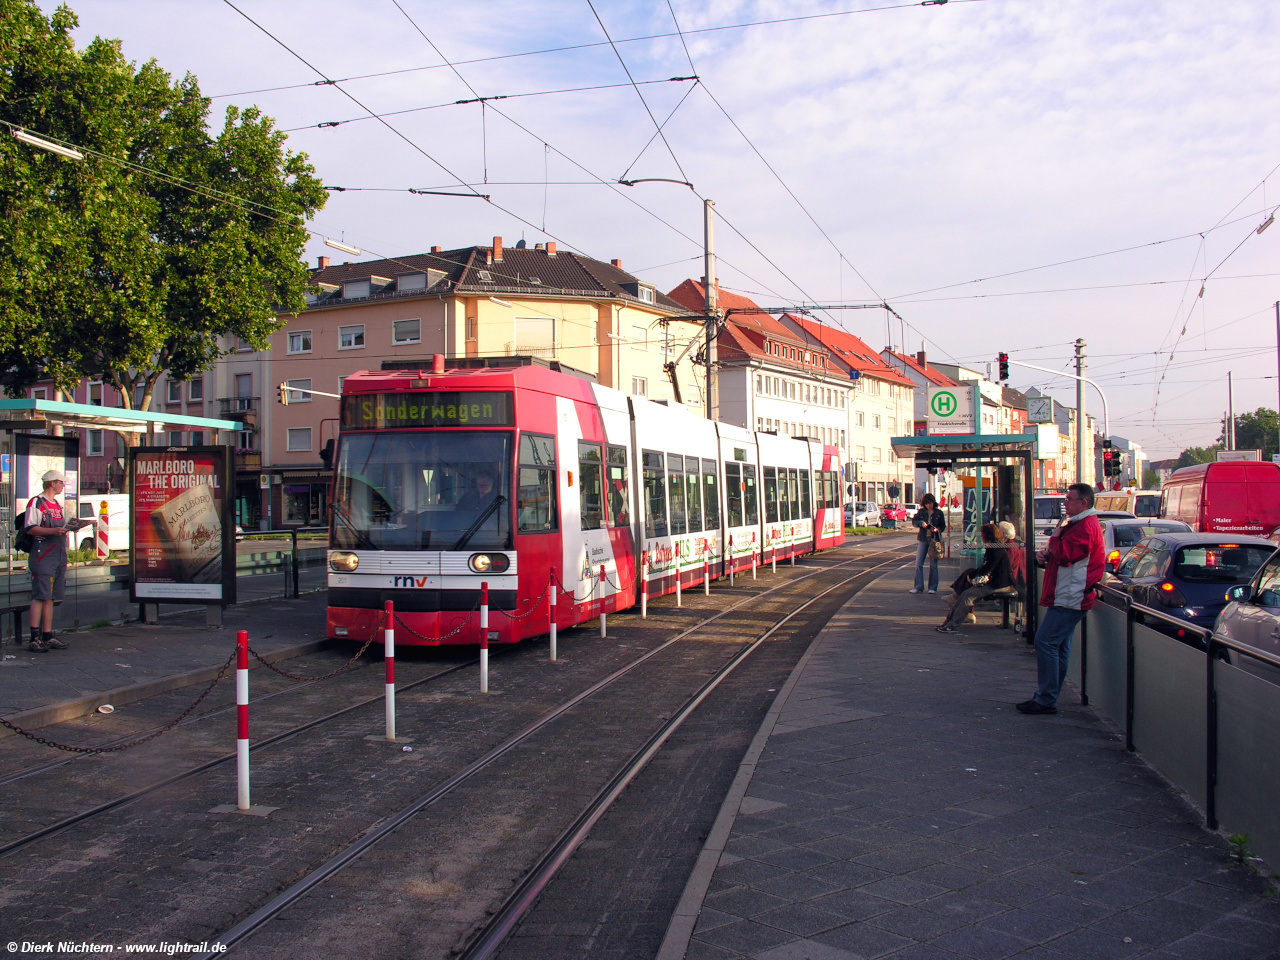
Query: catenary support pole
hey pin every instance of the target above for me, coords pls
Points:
(389, 656)
(484, 637)
(1084, 451)
(242, 720)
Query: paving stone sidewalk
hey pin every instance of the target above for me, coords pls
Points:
(116, 657)
(903, 808)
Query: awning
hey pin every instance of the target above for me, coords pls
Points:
(41, 414)
(964, 446)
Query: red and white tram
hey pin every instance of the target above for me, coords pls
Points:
(510, 473)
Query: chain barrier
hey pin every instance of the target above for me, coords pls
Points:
(382, 622)
(533, 608)
(444, 636)
(43, 741)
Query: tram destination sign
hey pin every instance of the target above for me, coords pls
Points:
(472, 408)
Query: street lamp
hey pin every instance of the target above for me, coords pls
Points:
(69, 152)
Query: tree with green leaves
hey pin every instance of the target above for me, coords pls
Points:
(1193, 455)
(1255, 431)
(166, 237)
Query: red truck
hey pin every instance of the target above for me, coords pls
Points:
(1237, 497)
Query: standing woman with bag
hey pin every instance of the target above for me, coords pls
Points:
(930, 524)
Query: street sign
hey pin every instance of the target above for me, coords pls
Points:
(951, 410)
(1039, 409)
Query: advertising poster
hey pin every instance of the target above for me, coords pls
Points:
(183, 527)
(36, 454)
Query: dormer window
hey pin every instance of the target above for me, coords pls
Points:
(537, 280)
(355, 289)
(641, 291)
(411, 281)
(485, 276)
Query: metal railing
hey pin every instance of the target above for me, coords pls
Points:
(1191, 705)
(233, 406)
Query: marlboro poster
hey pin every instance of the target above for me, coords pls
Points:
(183, 527)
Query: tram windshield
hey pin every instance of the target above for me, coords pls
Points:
(423, 490)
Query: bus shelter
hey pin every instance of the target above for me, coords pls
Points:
(1011, 455)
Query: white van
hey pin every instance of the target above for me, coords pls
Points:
(1050, 509)
(117, 521)
(1141, 503)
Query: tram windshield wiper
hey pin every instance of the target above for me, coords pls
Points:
(498, 501)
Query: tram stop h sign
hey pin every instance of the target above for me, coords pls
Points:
(951, 410)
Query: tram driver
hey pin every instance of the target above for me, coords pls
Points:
(480, 495)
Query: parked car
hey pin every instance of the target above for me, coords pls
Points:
(866, 514)
(1187, 575)
(1118, 535)
(895, 512)
(1238, 497)
(1252, 617)
(1114, 514)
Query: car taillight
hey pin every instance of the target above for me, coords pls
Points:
(1170, 595)
(1113, 558)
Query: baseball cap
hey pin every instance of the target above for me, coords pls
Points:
(51, 475)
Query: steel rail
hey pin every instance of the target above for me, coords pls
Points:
(264, 914)
(486, 943)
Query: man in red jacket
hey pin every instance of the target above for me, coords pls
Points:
(1074, 561)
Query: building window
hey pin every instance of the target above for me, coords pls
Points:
(299, 385)
(173, 391)
(875, 454)
(406, 331)
(759, 423)
(350, 338)
(471, 328)
(875, 421)
(300, 341)
(244, 440)
(197, 438)
(241, 346)
(95, 443)
(341, 381)
(893, 425)
(639, 337)
(842, 438)
(95, 393)
(175, 438)
(861, 419)
(299, 438)
(860, 453)
(195, 390)
(639, 387)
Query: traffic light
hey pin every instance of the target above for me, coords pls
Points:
(282, 393)
(1004, 365)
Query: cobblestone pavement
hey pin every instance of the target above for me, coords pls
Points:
(901, 807)
(112, 657)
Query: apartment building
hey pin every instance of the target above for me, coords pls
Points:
(477, 301)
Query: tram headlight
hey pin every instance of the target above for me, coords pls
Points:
(342, 562)
(489, 562)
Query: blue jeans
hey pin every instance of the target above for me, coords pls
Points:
(922, 550)
(1053, 652)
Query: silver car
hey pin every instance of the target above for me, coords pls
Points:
(1252, 617)
(1121, 533)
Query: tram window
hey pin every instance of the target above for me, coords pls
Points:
(693, 494)
(770, 495)
(806, 508)
(655, 495)
(675, 492)
(616, 465)
(590, 486)
(733, 493)
(710, 496)
(536, 498)
(749, 483)
(793, 493)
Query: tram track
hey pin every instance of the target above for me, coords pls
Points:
(490, 937)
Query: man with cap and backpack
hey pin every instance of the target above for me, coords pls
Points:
(47, 527)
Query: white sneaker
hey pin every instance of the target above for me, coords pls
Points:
(914, 590)
(933, 591)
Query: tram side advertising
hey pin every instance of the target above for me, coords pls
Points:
(182, 519)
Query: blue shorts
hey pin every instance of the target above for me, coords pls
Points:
(48, 568)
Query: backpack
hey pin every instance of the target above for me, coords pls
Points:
(22, 540)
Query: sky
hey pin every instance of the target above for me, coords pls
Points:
(1006, 174)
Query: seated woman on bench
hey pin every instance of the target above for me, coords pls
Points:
(995, 576)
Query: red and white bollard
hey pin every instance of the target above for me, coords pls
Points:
(644, 584)
(753, 556)
(551, 611)
(730, 559)
(100, 535)
(389, 656)
(484, 637)
(773, 556)
(242, 720)
(706, 570)
(603, 615)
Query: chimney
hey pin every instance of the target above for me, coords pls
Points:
(616, 263)
(497, 249)
(920, 359)
(551, 248)
(322, 262)
(488, 257)
(435, 249)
